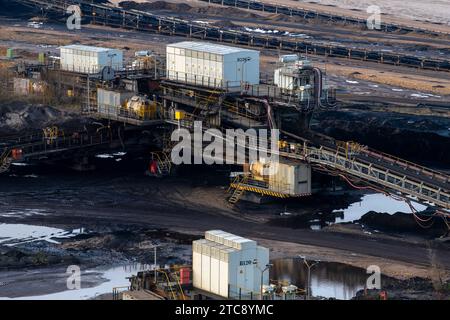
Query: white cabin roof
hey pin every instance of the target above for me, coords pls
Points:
(208, 47)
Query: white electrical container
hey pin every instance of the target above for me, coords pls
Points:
(284, 81)
(91, 60)
(291, 178)
(285, 177)
(292, 76)
(229, 266)
(212, 65)
(110, 102)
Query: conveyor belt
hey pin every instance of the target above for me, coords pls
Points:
(314, 14)
(393, 174)
(416, 182)
(144, 21)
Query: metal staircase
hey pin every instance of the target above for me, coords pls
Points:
(238, 192)
(163, 164)
(5, 161)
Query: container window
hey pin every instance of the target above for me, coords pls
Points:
(194, 54)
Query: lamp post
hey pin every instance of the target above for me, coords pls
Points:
(268, 266)
(309, 265)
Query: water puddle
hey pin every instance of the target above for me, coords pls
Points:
(22, 213)
(374, 202)
(328, 280)
(371, 202)
(15, 234)
(94, 282)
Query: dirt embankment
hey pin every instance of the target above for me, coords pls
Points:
(12, 258)
(100, 247)
(411, 289)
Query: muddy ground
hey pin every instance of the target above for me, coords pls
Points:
(42, 265)
(124, 212)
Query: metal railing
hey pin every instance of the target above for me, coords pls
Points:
(372, 171)
(60, 144)
(203, 81)
(409, 184)
(120, 113)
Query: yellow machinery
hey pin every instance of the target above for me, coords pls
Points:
(142, 108)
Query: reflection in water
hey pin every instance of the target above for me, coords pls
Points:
(329, 280)
(104, 280)
(375, 202)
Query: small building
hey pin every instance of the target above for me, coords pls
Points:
(91, 60)
(111, 102)
(286, 177)
(212, 65)
(296, 75)
(229, 266)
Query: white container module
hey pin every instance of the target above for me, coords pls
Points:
(229, 266)
(212, 65)
(110, 102)
(87, 59)
(286, 177)
(295, 75)
(291, 178)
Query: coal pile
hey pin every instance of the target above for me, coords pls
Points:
(156, 6)
(20, 117)
(416, 138)
(182, 9)
(16, 10)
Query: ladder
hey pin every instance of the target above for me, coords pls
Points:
(164, 163)
(239, 190)
(206, 104)
(5, 161)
